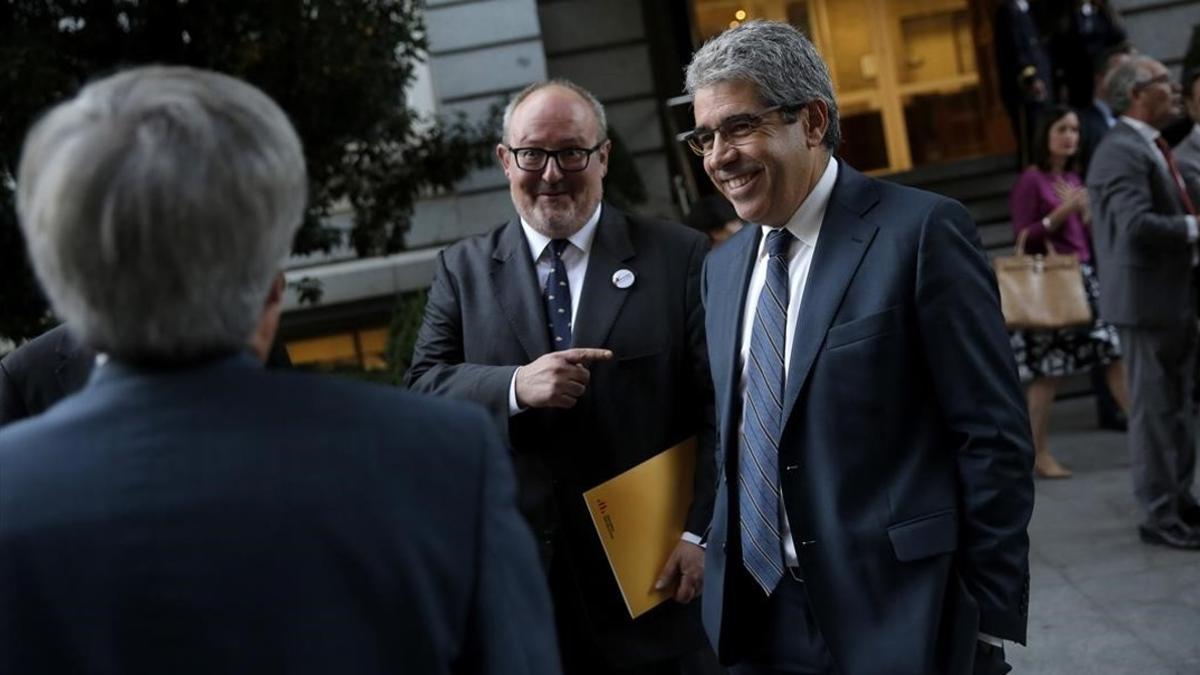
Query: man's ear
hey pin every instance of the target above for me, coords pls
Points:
(502, 156)
(818, 122)
(268, 321)
(602, 156)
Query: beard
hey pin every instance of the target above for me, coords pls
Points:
(558, 217)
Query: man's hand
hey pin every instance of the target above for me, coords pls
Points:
(557, 379)
(687, 564)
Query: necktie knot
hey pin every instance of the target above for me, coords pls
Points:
(557, 246)
(779, 242)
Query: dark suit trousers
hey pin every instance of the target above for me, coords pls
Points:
(789, 642)
(581, 653)
(1161, 367)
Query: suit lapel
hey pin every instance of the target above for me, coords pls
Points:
(727, 306)
(601, 300)
(514, 281)
(1162, 173)
(845, 237)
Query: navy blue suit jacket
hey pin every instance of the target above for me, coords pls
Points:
(905, 456)
(225, 519)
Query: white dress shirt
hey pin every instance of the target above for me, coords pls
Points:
(805, 225)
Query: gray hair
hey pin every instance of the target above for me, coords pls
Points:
(158, 206)
(778, 59)
(587, 96)
(1124, 80)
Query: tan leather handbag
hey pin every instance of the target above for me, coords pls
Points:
(1041, 291)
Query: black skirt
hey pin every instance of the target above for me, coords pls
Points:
(1065, 351)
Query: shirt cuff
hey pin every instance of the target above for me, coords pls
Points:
(692, 539)
(513, 406)
(991, 640)
(1193, 231)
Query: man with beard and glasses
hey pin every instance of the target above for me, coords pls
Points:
(580, 329)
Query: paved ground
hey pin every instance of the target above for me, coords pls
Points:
(1103, 603)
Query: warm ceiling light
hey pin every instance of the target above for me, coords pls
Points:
(734, 24)
(740, 15)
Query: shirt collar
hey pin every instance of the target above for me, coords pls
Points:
(805, 223)
(581, 239)
(1145, 130)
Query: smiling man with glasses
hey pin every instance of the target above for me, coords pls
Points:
(580, 329)
(874, 444)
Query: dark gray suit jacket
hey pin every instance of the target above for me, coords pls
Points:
(1093, 126)
(224, 519)
(486, 316)
(905, 455)
(54, 365)
(41, 372)
(1140, 235)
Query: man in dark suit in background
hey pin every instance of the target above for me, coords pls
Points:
(1094, 122)
(1097, 118)
(54, 365)
(1144, 225)
(41, 372)
(580, 329)
(188, 512)
(874, 442)
(1023, 67)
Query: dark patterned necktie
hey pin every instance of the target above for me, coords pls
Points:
(558, 298)
(1173, 168)
(758, 463)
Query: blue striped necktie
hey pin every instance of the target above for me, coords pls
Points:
(558, 298)
(758, 464)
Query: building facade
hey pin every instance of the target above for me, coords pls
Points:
(915, 81)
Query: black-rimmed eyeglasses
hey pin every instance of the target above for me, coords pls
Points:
(569, 160)
(734, 130)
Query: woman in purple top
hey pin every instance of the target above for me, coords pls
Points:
(1050, 204)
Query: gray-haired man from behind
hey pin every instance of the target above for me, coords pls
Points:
(189, 512)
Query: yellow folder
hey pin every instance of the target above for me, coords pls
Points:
(639, 516)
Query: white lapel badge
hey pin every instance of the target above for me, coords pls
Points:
(623, 278)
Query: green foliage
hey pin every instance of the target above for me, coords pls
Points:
(402, 334)
(338, 67)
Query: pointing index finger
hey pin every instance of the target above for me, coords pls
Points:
(586, 355)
